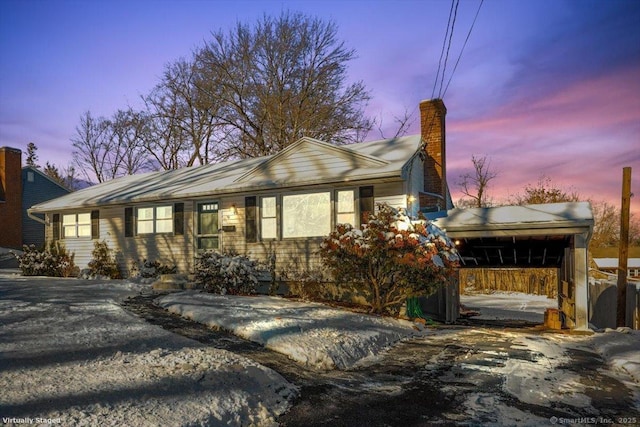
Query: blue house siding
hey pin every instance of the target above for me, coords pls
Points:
(36, 188)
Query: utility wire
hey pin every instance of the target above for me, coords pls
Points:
(462, 50)
(444, 43)
(446, 59)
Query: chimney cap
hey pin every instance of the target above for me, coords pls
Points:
(435, 102)
(11, 149)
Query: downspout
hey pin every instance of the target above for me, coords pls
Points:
(31, 215)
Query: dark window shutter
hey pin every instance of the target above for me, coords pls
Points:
(178, 219)
(55, 223)
(128, 222)
(251, 219)
(366, 203)
(95, 224)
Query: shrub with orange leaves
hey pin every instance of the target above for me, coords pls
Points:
(391, 258)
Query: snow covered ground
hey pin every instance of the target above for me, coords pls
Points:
(325, 338)
(314, 335)
(546, 377)
(535, 371)
(509, 305)
(71, 355)
(69, 352)
(620, 347)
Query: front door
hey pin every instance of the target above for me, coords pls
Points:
(208, 237)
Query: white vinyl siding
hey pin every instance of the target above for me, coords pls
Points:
(392, 193)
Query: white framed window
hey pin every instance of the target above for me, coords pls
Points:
(157, 219)
(164, 219)
(268, 217)
(346, 207)
(76, 225)
(306, 215)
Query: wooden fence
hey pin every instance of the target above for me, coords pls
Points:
(538, 281)
(603, 304)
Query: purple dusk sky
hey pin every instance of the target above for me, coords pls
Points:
(544, 87)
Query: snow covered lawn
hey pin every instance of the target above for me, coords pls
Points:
(312, 334)
(69, 353)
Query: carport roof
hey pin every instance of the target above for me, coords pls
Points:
(529, 235)
(543, 219)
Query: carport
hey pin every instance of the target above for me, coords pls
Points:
(546, 235)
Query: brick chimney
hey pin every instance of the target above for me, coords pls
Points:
(10, 198)
(432, 125)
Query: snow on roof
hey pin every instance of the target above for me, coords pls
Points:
(613, 262)
(366, 160)
(547, 216)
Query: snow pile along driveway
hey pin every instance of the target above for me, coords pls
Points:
(70, 354)
(312, 334)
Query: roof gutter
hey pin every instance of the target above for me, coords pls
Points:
(35, 218)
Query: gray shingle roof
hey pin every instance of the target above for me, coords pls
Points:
(327, 163)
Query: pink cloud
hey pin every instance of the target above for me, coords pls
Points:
(580, 136)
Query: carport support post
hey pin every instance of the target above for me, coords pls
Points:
(581, 280)
(623, 250)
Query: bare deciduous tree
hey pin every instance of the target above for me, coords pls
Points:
(278, 81)
(106, 149)
(475, 184)
(403, 124)
(250, 92)
(606, 227)
(127, 131)
(91, 147)
(182, 121)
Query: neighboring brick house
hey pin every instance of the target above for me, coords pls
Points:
(20, 188)
(10, 198)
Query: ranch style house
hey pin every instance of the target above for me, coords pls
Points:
(280, 205)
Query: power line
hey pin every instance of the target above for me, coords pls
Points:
(446, 59)
(444, 43)
(462, 50)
